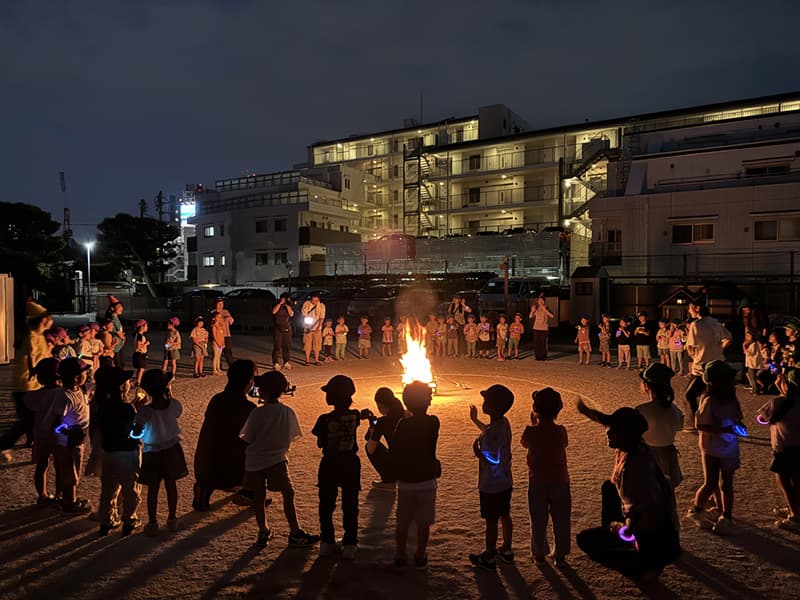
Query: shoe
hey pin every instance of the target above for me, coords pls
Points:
(505, 554)
(106, 528)
(151, 529)
(327, 549)
(130, 526)
(301, 539)
(724, 526)
(400, 562)
(700, 518)
(5, 456)
(196, 376)
(349, 551)
(45, 500)
(782, 511)
(539, 560)
(383, 485)
(80, 506)
(202, 374)
(421, 563)
(263, 538)
(789, 524)
(287, 365)
(276, 366)
(484, 560)
(173, 524)
(559, 561)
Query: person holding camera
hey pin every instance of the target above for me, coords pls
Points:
(391, 411)
(313, 312)
(282, 314)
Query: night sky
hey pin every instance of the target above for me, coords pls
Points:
(131, 97)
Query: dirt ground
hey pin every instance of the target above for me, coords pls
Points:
(46, 554)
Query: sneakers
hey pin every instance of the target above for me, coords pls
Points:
(349, 551)
(484, 560)
(327, 549)
(302, 539)
(505, 554)
(151, 529)
(287, 365)
(79, 506)
(789, 524)
(724, 526)
(263, 538)
(130, 526)
(700, 518)
(45, 500)
(559, 561)
(173, 524)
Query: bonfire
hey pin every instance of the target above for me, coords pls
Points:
(416, 366)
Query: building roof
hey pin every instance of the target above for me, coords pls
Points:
(590, 272)
(417, 127)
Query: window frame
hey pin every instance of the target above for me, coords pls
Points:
(209, 261)
(210, 227)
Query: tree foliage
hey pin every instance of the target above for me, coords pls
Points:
(144, 245)
(29, 248)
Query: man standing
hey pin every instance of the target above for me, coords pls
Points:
(227, 321)
(540, 315)
(313, 317)
(706, 340)
(115, 309)
(282, 314)
(459, 310)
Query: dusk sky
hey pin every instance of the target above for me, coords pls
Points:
(131, 97)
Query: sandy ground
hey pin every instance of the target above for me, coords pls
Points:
(45, 554)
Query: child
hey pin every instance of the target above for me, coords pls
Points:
(121, 453)
(484, 337)
(172, 346)
(95, 344)
(140, 346)
(42, 403)
(717, 416)
(502, 336)
(662, 343)
(623, 344)
(364, 338)
(400, 328)
(583, 341)
(413, 455)
(199, 336)
(664, 420)
(387, 336)
(391, 411)
(162, 454)
(327, 340)
(71, 412)
(753, 361)
(217, 342)
(783, 416)
(83, 347)
(441, 336)
(604, 333)
(269, 430)
(493, 450)
(452, 337)
(340, 466)
(471, 335)
(62, 344)
(515, 331)
(677, 340)
(548, 484)
(641, 338)
(107, 338)
(431, 327)
(341, 332)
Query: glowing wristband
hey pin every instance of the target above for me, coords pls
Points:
(761, 420)
(61, 429)
(488, 456)
(134, 436)
(740, 430)
(625, 536)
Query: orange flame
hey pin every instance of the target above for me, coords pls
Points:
(416, 366)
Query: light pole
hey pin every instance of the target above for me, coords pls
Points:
(89, 246)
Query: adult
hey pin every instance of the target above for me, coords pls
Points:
(459, 309)
(382, 428)
(540, 317)
(752, 318)
(638, 533)
(219, 456)
(227, 320)
(706, 340)
(313, 311)
(33, 349)
(113, 313)
(282, 314)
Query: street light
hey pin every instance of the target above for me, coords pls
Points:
(89, 246)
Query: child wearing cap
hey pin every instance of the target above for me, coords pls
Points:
(340, 466)
(268, 432)
(364, 337)
(717, 417)
(387, 337)
(548, 478)
(341, 332)
(515, 331)
(471, 335)
(662, 342)
(162, 454)
(493, 450)
(140, 346)
(172, 346)
(501, 333)
(42, 403)
(623, 344)
(62, 344)
(583, 341)
(412, 455)
(664, 419)
(199, 336)
(327, 340)
(71, 411)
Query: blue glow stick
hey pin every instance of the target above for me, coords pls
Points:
(61, 429)
(135, 436)
(740, 430)
(488, 456)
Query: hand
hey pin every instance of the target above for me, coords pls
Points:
(283, 301)
(473, 412)
(534, 419)
(615, 526)
(583, 408)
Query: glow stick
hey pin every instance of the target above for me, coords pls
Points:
(761, 420)
(625, 536)
(740, 430)
(488, 456)
(134, 436)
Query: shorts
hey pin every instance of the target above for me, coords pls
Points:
(605, 346)
(199, 351)
(584, 347)
(663, 351)
(416, 507)
(513, 343)
(312, 341)
(43, 449)
(364, 343)
(643, 352)
(485, 345)
(667, 458)
(172, 354)
(494, 506)
(68, 463)
(726, 465)
(169, 464)
(139, 360)
(786, 462)
(276, 478)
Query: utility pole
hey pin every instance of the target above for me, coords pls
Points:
(142, 208)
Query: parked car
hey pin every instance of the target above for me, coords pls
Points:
(251, 307)
(380, 301)
(520, 293)
(471, 297)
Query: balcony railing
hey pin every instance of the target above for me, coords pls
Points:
(271, 200)
(503, 198)
(257, 181)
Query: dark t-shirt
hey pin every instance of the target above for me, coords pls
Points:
(384, 428)
(116, 423)
(413, 449)
(641, 339)
(622, 339)
(282, 319)
(336, 432)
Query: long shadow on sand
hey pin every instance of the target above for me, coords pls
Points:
(759, 543)
(719, 581)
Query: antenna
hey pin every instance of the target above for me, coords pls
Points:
(66, 231)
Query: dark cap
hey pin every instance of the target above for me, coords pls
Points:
(547, 401)
(70, 367)
(657, 374)
(154, 381)
(112, 377)
(271, 384)
(718, 371)
(627, 420)
(46, 369)
(500, 394)
(339, 384)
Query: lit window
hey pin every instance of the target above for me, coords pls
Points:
(208, 260)
(222, 260)
(208, 231)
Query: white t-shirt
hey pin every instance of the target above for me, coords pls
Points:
(711, 412)
(783, 434)
(705, 336)
(662, 423)
(161, 429)
(268, 431)
(73, 408)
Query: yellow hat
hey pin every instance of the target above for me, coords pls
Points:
(33, 310)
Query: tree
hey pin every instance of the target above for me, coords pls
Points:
(142, 244)
(29, 248)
